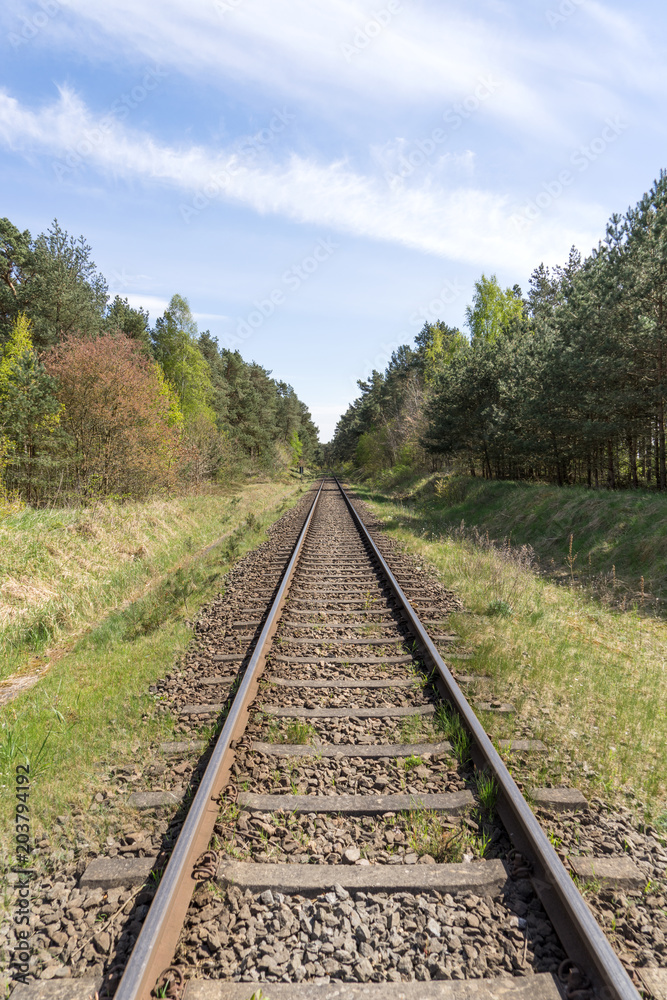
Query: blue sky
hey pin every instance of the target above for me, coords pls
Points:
(318, 177)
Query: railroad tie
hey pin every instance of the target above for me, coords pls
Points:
(541, 986)
(483, 878)
(383, 712)
(450, 803)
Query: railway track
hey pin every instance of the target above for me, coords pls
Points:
(354, 833)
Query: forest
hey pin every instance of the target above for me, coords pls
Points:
(565, 385)
(94, 402)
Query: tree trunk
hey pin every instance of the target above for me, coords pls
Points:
(611, 480)
(661, 425)
(489, 474)
(657, 455)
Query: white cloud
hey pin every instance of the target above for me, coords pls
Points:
(427, 55)
(153, 304)
(157, 304)
(465, 223)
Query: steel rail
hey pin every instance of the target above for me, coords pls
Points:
(580, 934)
(154, 948)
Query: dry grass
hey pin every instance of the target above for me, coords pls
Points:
(62, 570)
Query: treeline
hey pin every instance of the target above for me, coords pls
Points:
(95, 402)
(567, 384)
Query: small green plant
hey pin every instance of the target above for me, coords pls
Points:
(499, 609)
(155, 876)
(448, 723)
(296, 731)
(587, 886)
(428, 834)
(555, 841)
(482, 844)
(411, 762)
(487, 791)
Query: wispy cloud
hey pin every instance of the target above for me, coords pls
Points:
(427, 54)
(464, 222)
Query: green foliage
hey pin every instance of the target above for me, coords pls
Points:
(296, 447)
(230, 417)
(494, 312)
(52, 280)
(256, 415)
(29, 412)
(499, 608)
(175, 342)
(439, 344)
(568, 385)
(428, 834)
(449, 725)
(121, 317)
(487, 791)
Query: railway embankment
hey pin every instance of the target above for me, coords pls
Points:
(571, 641)
(97, 605)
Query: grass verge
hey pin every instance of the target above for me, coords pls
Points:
(61, 571)
(612, 542)
(92, 709)
(587, 678)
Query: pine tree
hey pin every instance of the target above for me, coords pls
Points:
(29, 412)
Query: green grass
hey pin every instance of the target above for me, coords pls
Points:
(429, 834)
(618, 538)
(92, 709)
(449, 726)
(585, 676)
(487, 792)
(295, 731)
